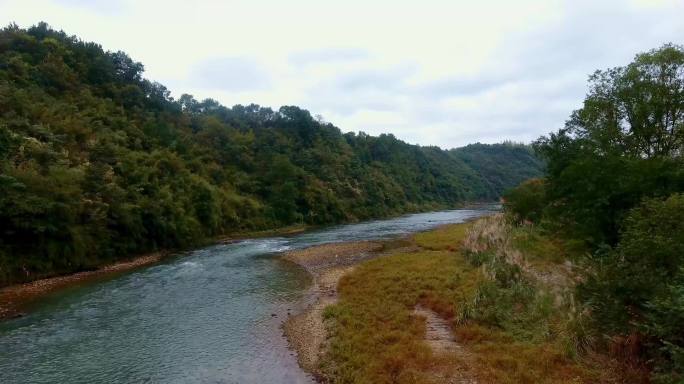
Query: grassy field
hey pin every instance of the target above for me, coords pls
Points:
(510, 327)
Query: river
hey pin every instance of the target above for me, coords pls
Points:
(208, 316)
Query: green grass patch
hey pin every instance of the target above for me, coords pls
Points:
(374, 337)
(446, 237)
(508, 333)
(540, 248)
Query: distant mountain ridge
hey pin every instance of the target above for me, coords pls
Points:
(98, 163)
(501, 166)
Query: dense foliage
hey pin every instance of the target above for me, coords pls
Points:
(625, 144)
(501, 165)
(98, 163)
(640, 283)
(614, 180)
(527, 202)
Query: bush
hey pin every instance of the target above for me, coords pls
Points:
(664, 324)
(638, 287)
(527, 201)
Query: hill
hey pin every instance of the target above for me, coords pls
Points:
(501, 166)
(98, 163)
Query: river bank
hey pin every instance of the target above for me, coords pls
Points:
(328, 263)
(432, 308)
(214, 314)
(16, 299)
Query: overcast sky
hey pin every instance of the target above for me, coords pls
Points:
(444, 73)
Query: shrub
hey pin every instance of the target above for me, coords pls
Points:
(527, 201)
(638, 287)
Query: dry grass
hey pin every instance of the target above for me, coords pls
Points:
(374, 338)
(543, 261)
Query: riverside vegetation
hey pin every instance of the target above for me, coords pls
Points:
(614, 184)
(98, 163)
(581, 280)
(505, 291)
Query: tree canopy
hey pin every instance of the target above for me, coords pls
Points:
(98, 163)
(626, 143)
(615, 182)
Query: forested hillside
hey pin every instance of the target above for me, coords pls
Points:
(501, 165)
(98, 163)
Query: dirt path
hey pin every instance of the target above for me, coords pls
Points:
(438, 334)
(452, 358)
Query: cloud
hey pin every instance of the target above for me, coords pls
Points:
(464, 86)
(231, 74)
(327, 56)
(99, 6)
(386, 79)
(437, 72)
(531, 83)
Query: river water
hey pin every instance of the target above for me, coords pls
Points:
(208, 316)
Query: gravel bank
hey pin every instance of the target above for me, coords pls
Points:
(327, 263)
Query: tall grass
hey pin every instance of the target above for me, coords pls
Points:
(528, 296)
(511, 330)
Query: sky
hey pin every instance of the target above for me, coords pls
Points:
(431, 72)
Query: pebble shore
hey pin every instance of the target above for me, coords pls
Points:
(327, 263)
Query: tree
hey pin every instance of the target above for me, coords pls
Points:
(624, 144)
(615, 177)
(527, 201)
(98, 163)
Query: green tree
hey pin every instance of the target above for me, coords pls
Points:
(527, 201)
(624, 144)
(98, 163)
